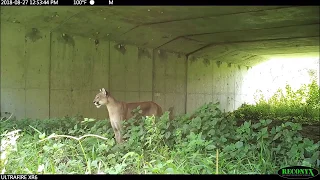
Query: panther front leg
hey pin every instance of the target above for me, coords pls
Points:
(118, 136)
(116, 126)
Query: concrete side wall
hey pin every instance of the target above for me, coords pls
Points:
(53, 75)
(213, 81)
(170, 81)
(25, 57)
(78, 69)
(130, 73)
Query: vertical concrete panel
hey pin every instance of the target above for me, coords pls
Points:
(132, 75)
(248, 88)
(200, 82)
(37, 103)
(200, 76)
(175, 83)
(146, 66)
(84, 77)
(181, 74)
(223, 86)
(103, 113)
(61, 103)
(175, 73)
(81, 103)
(12, 56)
(82, 64)
(132, 96)
(194, 76)
(160, 100)
(117, 68)
(13, 67)
(169, 81)
(61, 76)
(159, 73)
(91, 110)
(206, 76)
(170, 76)
(197, 100)
(37, 59)
(130, 71)
(145, 96)
(100, 57)
(191, 84)
(119, 95)
(194, 101)
(230, 80)
(100, 78)
(37, 73)
(77, 98)
(79, 68)
(216, 79)
(13, 101)
(132, 67)
(176, 100)
(215, 98)
(62, 55)
(191, 99)
(238, 85)
(159, 78)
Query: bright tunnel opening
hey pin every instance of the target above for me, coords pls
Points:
(266, 78)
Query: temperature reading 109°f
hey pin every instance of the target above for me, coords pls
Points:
(79, 2)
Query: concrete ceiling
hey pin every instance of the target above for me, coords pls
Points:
(234, 34)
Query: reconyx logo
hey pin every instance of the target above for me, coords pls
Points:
(298, 172)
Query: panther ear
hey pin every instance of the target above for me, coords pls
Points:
(104, 91)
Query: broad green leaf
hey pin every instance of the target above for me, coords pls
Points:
(239, 144)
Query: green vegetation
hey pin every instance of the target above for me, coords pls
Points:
(211, 143)
(302, 105)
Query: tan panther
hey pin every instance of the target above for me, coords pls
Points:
(119, 111)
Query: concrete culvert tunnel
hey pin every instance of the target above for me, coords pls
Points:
(55, 59)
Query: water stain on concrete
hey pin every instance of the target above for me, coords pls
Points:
(142, 52)
(50, 17)
(218, 63)
(66, 39)
(162, 54)
(192, 59)
(34, 34)
(96, 43)
(121, 48)
(206, 62)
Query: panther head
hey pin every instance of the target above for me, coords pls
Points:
(101, 98)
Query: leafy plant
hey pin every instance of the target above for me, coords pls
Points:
(209, 142)
(302, 105)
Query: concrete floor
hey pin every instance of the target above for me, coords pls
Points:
(54, 59)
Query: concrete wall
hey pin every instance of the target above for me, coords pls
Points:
(25, 55)
(47, 74)
(214, 81)
(170, 81)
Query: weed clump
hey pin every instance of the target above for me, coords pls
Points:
(209, 142)
(302, 105)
